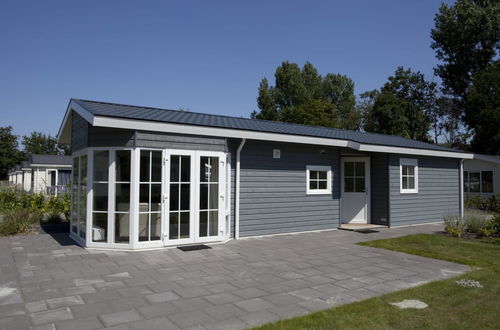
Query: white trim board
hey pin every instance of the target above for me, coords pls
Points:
(64, 135)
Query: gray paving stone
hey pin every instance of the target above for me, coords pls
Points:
(51, 316)
(289, 311)
(120, 318)
(191, 304)
(259, 317)
(160, 323)
(222, 298)
(190, 319)
(222, 312)
(88, 323)
(64, 302)
(14, 323)
(248, 293)
(254, 305)
(93, 309)
(162, 297)
(156, 310)
(228, 324)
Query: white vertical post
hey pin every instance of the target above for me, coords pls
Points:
(111, 197)
(237, 197)
(134, 197)
(461, 188)
(90, 191)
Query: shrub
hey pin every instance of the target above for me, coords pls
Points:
(476, 222)
(454, 225)
(18, 221)
(491, 204)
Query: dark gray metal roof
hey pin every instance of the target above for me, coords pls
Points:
(202, 119)
(50, 159)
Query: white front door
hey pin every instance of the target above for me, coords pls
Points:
(195, 201)
(355, 200)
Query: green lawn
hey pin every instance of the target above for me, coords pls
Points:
(450, 306)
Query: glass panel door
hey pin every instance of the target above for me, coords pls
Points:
(209, 197)
(179, 194)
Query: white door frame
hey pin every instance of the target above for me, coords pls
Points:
(367, 183)
(194, 197)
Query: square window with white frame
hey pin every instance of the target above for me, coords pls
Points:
(319, 180)
(408, 169)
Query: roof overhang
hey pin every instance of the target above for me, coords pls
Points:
(64, 135)
(488, 158)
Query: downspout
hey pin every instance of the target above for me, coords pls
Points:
(461, 188)
(237, 197)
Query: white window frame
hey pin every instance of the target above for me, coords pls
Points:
(408, 162)
(328, 190)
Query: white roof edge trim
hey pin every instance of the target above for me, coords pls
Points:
(51, 165)
(411, 151)
(212, 131)
(253, 135)
(80, 110)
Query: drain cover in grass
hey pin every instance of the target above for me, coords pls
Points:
(193, 247)
(410, 303)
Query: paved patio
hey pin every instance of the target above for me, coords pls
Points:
(47, 282)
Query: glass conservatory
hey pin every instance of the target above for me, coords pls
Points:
(149, 198)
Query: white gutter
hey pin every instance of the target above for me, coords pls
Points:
(461, 188)
(237, 193)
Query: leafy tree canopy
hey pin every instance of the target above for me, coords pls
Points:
(466, 38)
(39, 143)
(402, 107)
(302, 95)
(9, 152)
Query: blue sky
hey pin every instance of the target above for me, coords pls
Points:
(206, 56)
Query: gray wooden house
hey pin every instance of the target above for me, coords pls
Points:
(149, 178)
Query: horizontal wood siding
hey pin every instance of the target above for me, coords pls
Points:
(438, 191)
(379, 189)
(273, 196)
(110, 137)
(178, 141)
(79, 132)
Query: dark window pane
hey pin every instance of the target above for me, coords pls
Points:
(204, 169)
(144, 197)
(214, 169)
(487, 181)
(405, 182)
(144, 168)
(348, 184)
(313, 175)
(322, 175)
(185, 168)
(411, 182)
(155, 226)
(349, 168)
(174, 168)
(122, 164)
(174, 225)
(322, 185)
(213, 229)
(203, 196)
(203, 223)
(174, 196)
(185, 198)
(156, 166)
(359, 169)
(359, 185)
(184, 224)
(214, 196)
(101, 165)
(313, 184)
(122, 228)
(466, 181)
(143, 227)
(100, 197)
(100, 227)
(474, 178)
(83, 170)
(122, 196)
(155, 197)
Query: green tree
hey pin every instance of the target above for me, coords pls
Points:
(484, 97)
(403, 106)
(466, 38)
(39, 143)
(302, 95)
(9, 152)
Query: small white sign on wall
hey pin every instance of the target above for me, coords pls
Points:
(276, 153)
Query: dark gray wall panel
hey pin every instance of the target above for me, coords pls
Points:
(438, 191)
(179, 141)
(379, 189)
(79, 132)
(110, 137)
(273, 196)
